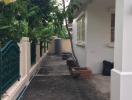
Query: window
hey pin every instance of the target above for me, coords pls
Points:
(81, 29)
(112, 27)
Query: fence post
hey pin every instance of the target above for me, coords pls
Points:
(33, 52)
(44, 47)
(41, 48)
(37, 51)
(47, 46)
(0, 72)
(25, 57)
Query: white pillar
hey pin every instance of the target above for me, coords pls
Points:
(25, 58)
(121, 80)
(37, 52)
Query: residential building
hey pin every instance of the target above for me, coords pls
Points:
(102, 31)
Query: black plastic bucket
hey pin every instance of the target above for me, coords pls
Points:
(107, 66)
(58, 46)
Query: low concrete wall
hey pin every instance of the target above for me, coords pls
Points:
(14, 91)
(66, 45)
(26, 71)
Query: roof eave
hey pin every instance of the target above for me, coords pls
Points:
(82, 7)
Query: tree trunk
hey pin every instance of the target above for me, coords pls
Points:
(70, 36)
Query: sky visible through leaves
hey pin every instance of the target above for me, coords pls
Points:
(66, 2)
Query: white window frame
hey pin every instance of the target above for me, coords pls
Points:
(112, 38)
(111, 43)
(81, 35)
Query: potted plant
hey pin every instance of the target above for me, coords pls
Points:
(85, 73)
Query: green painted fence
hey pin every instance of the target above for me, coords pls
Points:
(9, 65)
(33, 52)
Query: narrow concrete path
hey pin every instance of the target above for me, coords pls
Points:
(53, 82)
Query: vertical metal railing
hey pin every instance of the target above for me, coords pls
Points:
(45, 47)
(9, 65)
(33, 52)
(0, 75)
(41, 48)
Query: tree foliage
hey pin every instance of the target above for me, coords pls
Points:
(37, 19)
(14, 19)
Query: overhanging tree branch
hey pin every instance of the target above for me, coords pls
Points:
(70, 35)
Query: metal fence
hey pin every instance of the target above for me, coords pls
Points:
(43, 47)
(33, 53)
(9, 65)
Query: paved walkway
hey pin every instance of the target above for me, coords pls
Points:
(53, 82)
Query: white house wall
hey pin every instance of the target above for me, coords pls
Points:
(97, 37)
(80, 51)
